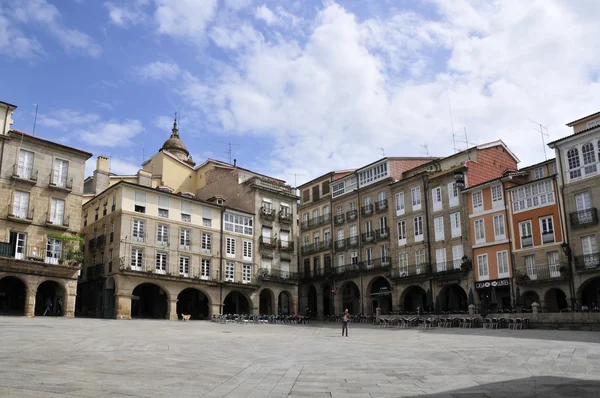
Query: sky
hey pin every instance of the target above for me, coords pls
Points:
(299, 88)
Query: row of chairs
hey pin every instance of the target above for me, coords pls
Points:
(354, 318)
(511, 323)
(261, 319)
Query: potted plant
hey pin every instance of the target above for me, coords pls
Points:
(72, 247)
(562, 270)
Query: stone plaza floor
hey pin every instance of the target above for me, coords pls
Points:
(51, 357)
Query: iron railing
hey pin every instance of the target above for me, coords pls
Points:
(382, 234)
(62, 183)
(366, 210)
(351, 215)
(587, 262)
(447, 266)
(64, 223)
(151, 267)
(352, 242)
(267, 214)
(526, 241)
(584, 218)
(410, 270)
(339, 244)
(382, 205)
(277, 275)
(25, 175)
(100, 240)
(339, 219)
(543, 272)
(286, 246)
(24, 215)
(548, 237)
(266, 242)
(285, 217)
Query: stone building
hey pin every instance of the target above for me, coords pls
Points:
(42, 185)
(578, 177)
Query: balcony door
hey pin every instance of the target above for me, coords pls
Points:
(583, 203)
(61, 171)
(25, 168)
(553, 264)
(21, 204)
(19, 243)
(530, 265)
(590, 251)
(57, 211)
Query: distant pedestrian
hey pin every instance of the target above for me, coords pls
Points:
(345, 320)
(59, 307)
(48, 306)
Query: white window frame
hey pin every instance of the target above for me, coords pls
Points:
(163, 206)
(401, 232)
(455, 226)
(479, 229)
(418, 228)
(544, 226)
(436, 198)
(477, 199)
(21, 204)
(438, 224)
(137, 259)
(186, 211)
(522, 226)
(247, 250)
(483, 267)
(206, 245)
(184, 266)
(60, 173)
(161, 262)
(400, 204)
(497, 196)
(54, 249)
(415, 194)
(503, 264)
(458, 252)
(238, 224)
(230, 247)
(246, 273)
(25, 165)
(499, 227)
(440, 259)
(453, 195)
(403, 263)
(229, 271)
(539, 173)
(205, 269)
(138, 233)
(162, 234)
(532, 196)
(185, 238)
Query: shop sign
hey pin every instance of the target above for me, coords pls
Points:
(448, 282)
(489, 284)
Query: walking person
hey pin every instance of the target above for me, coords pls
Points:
(59, 307)
(345, 320)
(48, 306)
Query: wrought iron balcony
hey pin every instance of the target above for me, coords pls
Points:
(382, 234)
(352, 242)
(548, 237)
(377, 263)
(340, 244)
(347, 269)
(587, 262)
(266, 242)
(584, 218)
(63, 183)
(526, 241)
(267, 274)
(285, 217)
(339, 219)
(95, 271)
(368, 237)
(540, 273)
(367, 210)
(317, 246)
(25, 175)
(381, 206)
(351, 215)
(100, 241)
(286, 246)
(267, 213)
(317, 273)
(59, 224)
(447, 267)
(410, 271)
(92, 244)
(20, 215)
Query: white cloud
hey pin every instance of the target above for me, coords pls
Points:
(124, 15)
(237, 4)
(352, 86)
(264, 13)
(118, 165)
(158, 71)
(111, 134)
(184, 18)
(65, 119)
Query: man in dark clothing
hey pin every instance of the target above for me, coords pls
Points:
(345, 320)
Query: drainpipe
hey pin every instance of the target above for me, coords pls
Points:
(221, 240)
(565, 232)
(425, 186)
(509, 225)
(3, 138)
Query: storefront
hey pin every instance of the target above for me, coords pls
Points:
(495, 294)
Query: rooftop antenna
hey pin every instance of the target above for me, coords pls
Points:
(467, 143)
(542, 133)
(295, 177)
(382, 151)
(34, 119)
(426, 149)
(451, 122)
(228, 151)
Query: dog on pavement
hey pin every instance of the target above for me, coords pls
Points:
(185, 317)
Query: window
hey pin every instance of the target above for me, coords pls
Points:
(229, 272)
(369, 256)
(383, 224)
(590, 251)
(479, 231)
(138, 230)
(340, 260)
(53, 250)
(400, 203)
(184, 266)
(553, 261)
(185, 238)
(381, 196)
(230, 247)
(533, 195)
(325, 187)
(267, 206)
(455, 228)
(354, 257)
(531, 267)
(352, 205)
(420, 258)
(285, 210)
(502, 258)
(336, 190)
(284, 239)
(316, 238)
(96, 213)
(207, 216)
(369, 229)
(547, 228)
(573, 163)
(373, 174)
(457, 255)
(415, 194)
(104, 208)
(161, 263)
(440, 259)
(285, 269)
(315, 214)
(327, 237)
(25, 166)
(436, 196)
(21, 205)
(418, 228)
(589, 158)
(526, 236)
(110, 260)
(538, 172)
(114, 203)
(246, 273)
(162, 235)
(499, 230)
(140, 201)
(247, 252)
(339, 210)
(85, 220)
(238, 224)
(61, 173)
(438, 224)
(497, 199)
(383, 251)
(266, 263)
(163, 206)
(403, 264)
(57, 211)
(137, 255)
(205, 271)
(112, 231)
(452, 194)
(402, 232)
(477, 201)
(483, 268)
(186, 211)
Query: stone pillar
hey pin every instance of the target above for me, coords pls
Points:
(377, 315)
(30, 302)
(535, 307)
(69, 305)
(320, 314)
(471, 309)
(123, 306)
(173, 310)
(215, 310)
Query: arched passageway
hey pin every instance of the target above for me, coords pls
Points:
(381, 295)
(415, 298)
(50, 299)
(149, 301)
(312, 301)
(109, 298)
(530, 298)
(236, 303)
(193, 302)
(265, 302)
(328, 302)
(453, 299)
(555, 300)
(351, 298)
(284, 303)
(590, 294)
(12, 296)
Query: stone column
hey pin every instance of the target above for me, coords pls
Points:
(123, 306)
(69, 305)
(471, 309)
(320, 313)
(173, 310)
(215, 310)
(30, 302)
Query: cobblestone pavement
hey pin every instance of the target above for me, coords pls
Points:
(48, 357)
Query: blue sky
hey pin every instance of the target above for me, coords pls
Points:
(299, 86)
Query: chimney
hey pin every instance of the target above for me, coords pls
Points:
(234, 162)
(102, 164)
(101, 174)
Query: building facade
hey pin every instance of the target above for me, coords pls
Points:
(42, 184)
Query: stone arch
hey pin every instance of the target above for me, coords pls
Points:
(529, 297)
(350, 297)
(413, 299)
(285, 304)
(237, 302)
(50, 297)
(13, 295)
(195, 302)
(266, 302)
(150, 300)
(379, 294)
(555, 300)
(453, 298)
(589, 293)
